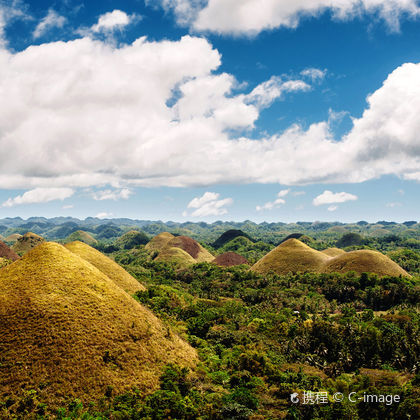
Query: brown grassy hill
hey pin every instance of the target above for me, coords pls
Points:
(66, 326)
(82, 236)
(106, 265)
(291, 256)
(175, 255)
(229, 259)
(192, 247)
(27, 242)
(159, 241)
(364, 261)
(6, 252)
(13, 237)
(333, 252)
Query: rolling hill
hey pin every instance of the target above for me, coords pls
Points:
(6, 252)
(132, 239)
(175, 255)
(27, 242)
(192, 247)
(110, 268)
(67, 330)
(228, 236)
(12, 238)
(82, 236)
(291, 256)
(364, 261)
(159, 241)
(333, 252)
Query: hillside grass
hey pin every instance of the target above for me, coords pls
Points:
(68, 331)
(109, 267)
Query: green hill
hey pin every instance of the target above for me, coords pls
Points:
(132, 239)
(82, 236)
(228, 236)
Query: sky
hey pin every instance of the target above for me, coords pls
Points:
(205, 110)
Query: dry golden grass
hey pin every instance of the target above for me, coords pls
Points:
(364, 261)
(159, 241)
(192, 247)
(4, 262)
(175, 255)
(27, 242)
(66, 326)
(291, 256)
(82, 236)
(106, 265)
(13, 237)
(333, 252)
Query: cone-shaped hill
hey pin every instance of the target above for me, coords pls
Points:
(364, 261)
(106, 265)
(132, 239)
(68, 327)
(229, 259)
(175, 255)
(159, 241)
(13, 237)
(6, 252)
(291, 256)
(27, 242)
(333, 252)
(182, 250)
(192, 247)
(228, 236)
(82, 236)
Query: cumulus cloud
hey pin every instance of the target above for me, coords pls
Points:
(393, 205)
(50, 21)
(328, 197)
(249, 17)
(276, 203)
(115, 195)
(332, 208)
(111, 21)
(86, 113)
(208, 205)
(314, 74)
(39, 195)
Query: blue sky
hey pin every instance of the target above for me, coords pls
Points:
(207, 110)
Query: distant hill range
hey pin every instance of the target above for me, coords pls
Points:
(217, 233)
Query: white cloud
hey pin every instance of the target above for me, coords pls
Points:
(10, 10)
(314, 74)
(85, 113)
(104, 215)
(328, 197)
(111, 21)
(283, 193)
(39, 195)
(51, 20)
(249, 17)
(266, 93)
(276, 203)
(332, 208)
(393, 205)
(208, 205)
(115, 195)
(68, 207)
(298, 193)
